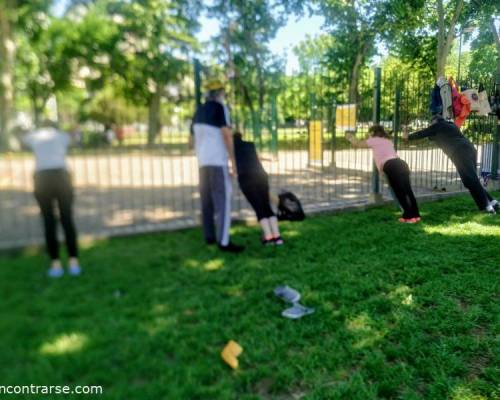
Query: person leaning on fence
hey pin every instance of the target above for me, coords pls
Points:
(53, 185)
(395, 169)
(254, 183)
(213, 142)
(462, 153)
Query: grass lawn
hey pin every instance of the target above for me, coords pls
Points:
(402, 312)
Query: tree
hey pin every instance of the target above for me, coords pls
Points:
(428, 36)
(247, 27)
(7, 56)
(156, 38)
(356, 26)
(14, 14)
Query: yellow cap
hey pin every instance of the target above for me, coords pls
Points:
(214, 84)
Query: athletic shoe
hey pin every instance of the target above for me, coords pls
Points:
(495, 204)
(267, 242)
(279, 241)
(231, 248)
(288, 294)
(409, 220)
(55, 272)
(489, 209)
(74, 270)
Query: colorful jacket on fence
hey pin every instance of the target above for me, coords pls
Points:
(464, 111)
(446, 135)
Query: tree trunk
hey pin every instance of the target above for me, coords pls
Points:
(7, 54)
(496, 36)
(445, 36)
(154, 115)
(354, 83)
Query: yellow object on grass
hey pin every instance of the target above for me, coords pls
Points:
(230, 353)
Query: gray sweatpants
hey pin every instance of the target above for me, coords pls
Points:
(215, 193)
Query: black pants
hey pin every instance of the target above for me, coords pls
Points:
(53, 186)
(465, 159)
(256, 191)
(398, 175)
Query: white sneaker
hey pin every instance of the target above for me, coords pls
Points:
(490, 210)
(495, 204)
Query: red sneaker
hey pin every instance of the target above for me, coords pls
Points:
(409, 220)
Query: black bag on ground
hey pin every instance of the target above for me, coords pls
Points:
(289, 207)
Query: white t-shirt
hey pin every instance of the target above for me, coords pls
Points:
(209, 142)
(50, 147)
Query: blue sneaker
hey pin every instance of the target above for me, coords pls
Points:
(74, 270)
(55, 272)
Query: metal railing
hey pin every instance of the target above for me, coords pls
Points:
(124, 186)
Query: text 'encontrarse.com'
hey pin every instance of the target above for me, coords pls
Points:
(14, 390)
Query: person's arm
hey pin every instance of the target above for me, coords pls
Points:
(421, 134)
(356, 143)
(227, 135)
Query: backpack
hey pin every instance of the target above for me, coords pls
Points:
(289, 207)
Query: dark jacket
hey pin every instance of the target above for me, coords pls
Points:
(446, 135)
(247, 161)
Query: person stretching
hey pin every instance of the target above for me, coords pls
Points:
(395, 169)
(254, 183)
(53, 185)
(462, 153)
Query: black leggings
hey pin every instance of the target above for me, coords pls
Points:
(52, 186)
(398, 175)
(256, 191)
(465, 160)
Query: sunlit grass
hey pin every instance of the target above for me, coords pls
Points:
(64, 344)
(406, 312)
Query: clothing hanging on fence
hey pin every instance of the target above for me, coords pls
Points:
(436, 102)
(473, 96)
(461, 106)
(446, 100)
(484, 104)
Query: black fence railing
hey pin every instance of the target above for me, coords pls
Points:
(126, 185)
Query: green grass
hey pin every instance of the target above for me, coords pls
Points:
(402, 312)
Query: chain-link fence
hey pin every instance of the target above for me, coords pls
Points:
(126, 185)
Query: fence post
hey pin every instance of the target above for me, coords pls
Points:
(332, 110)
(397, 115)
(197, 81)
(274, 126)
(376, 196)
(496, 139)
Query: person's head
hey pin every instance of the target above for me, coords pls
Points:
(215, 90)
(378, 131)
(237, 135)
(436, 119)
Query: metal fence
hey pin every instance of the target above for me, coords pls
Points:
(123, 185)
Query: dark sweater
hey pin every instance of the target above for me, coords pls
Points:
(446, 135)
(247, 161)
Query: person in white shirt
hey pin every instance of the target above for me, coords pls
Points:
(213, 142)
(53, 185)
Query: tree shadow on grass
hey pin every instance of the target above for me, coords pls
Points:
(400, 312)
